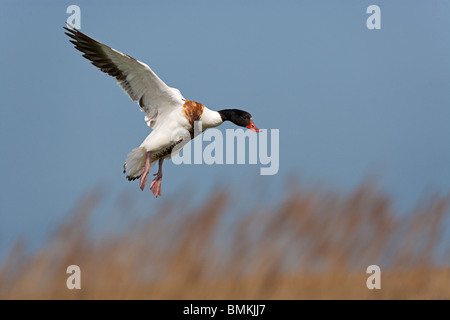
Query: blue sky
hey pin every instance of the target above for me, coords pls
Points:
(349, 102)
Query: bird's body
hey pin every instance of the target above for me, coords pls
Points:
(177, 127)
(172, 117)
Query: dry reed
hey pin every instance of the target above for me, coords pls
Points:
(309, 245)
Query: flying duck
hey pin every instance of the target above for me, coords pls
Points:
(171, 117)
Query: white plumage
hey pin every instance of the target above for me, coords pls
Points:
(166, 111)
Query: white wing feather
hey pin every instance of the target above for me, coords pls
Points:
(141, 84)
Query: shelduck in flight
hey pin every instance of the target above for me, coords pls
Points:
(167, 112)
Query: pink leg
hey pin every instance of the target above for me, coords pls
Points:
(156, 183)
(144, 174)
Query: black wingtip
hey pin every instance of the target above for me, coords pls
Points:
(72, 31)
(70, 26)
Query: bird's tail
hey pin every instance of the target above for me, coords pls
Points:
(135, 162)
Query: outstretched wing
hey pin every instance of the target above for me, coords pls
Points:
(136, 78)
